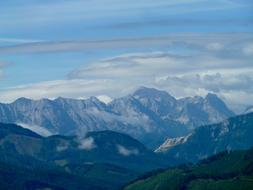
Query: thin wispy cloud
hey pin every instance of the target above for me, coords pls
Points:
(16, 40)
(180, 22)
(190, 40)
(77, 18)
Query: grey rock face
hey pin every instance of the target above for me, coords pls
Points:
(190, 111)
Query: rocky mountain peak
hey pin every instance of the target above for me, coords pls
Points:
(145, 92)
(22, 100)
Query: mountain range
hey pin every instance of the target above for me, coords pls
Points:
(148, 114)
(104, 160)
(92, 157)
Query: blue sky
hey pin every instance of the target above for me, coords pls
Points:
(68, 43)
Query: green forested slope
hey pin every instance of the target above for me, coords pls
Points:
(224, 171)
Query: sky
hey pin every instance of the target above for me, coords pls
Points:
(83, 48)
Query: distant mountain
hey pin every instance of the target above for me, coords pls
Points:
(148, 114)
(231, 134)
(96, 147)
(226, 171)
(197, 111)
(98, 160)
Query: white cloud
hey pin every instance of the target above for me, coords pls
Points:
(37, 129)
(127, 152)
(87, 144)
(155, 64)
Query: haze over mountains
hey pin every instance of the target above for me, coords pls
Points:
(148, 114)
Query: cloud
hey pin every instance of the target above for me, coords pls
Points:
(85, 45)
(65, 88)
(87, 144)
(93, 18)
(235, 88)
(48, 13)
(190, 41)
(127, 152)
(81, 45)
(212, 82)
(181, 75)
(150, 65)
(37, 129)
(17, 40)
(179, 22)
